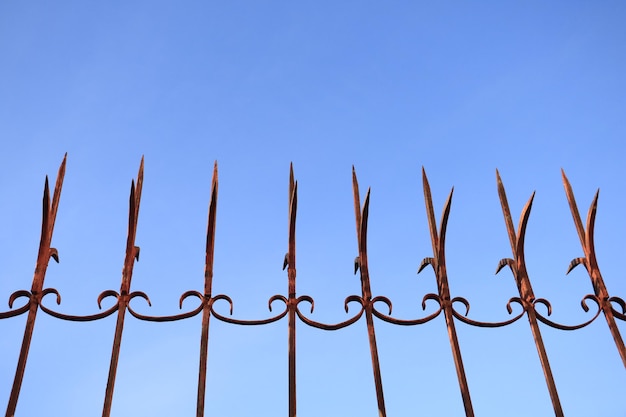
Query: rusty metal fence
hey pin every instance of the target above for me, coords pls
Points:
(30, 302)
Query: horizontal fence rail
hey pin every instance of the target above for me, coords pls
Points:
(611, 307)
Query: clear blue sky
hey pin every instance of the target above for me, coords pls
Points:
(459, 88)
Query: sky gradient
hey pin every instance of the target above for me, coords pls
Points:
(458, 88)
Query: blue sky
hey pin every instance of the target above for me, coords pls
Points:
(458, 88)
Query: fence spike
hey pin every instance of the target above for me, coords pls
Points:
(361, 217)
(439, 265)
(518, 268)
(43, 257)
(591, 263)
(292, 302)
(207, 296)
(132, 253)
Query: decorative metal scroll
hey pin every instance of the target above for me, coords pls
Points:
(366, 302)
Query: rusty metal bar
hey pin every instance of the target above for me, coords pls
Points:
(208, 283)
(43, 257)
(591, 263)
(518, 267)
(132, 254)
(439, 266)
(361, 216)
(446, 304)
(292, 301)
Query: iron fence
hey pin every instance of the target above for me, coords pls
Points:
(31, 301)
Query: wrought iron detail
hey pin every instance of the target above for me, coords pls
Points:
(612, 307)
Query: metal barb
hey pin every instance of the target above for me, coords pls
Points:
(124, 298)
(43, 257)
(207, 300)
(591, 264)
(439, 265)
(527, 297)
(361, 215)
(292, 302)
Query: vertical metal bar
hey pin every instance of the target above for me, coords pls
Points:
(361, 231)
(518, 267)
(43, 257)
(438, 244)
(545, 364)
(290, 260)
(132, 254)
(617, 337)
(208, 282)
(591, 263)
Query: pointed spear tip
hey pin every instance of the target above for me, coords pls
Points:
(62, 167)
(594, 203)
(451, 193)
(529, 203)
(425, 178)
(498, 177)
(355, 181)
(564, 177)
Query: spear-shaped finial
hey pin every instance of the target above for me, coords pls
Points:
(591, 264)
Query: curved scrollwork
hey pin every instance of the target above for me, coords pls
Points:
(590, 262)
(622, 304)
(249, 322)
(20, 310)
(173, 317)
(463, 317)
(336, 326)
(559, 326)
(91, 317)
(403, 322)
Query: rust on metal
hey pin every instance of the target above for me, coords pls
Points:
(438, 263)
(361, 215)
(527, 297)
(366, 301)
(292, 302)
(132, 254)
(591, 264)
(36, 292)
(206, 305)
